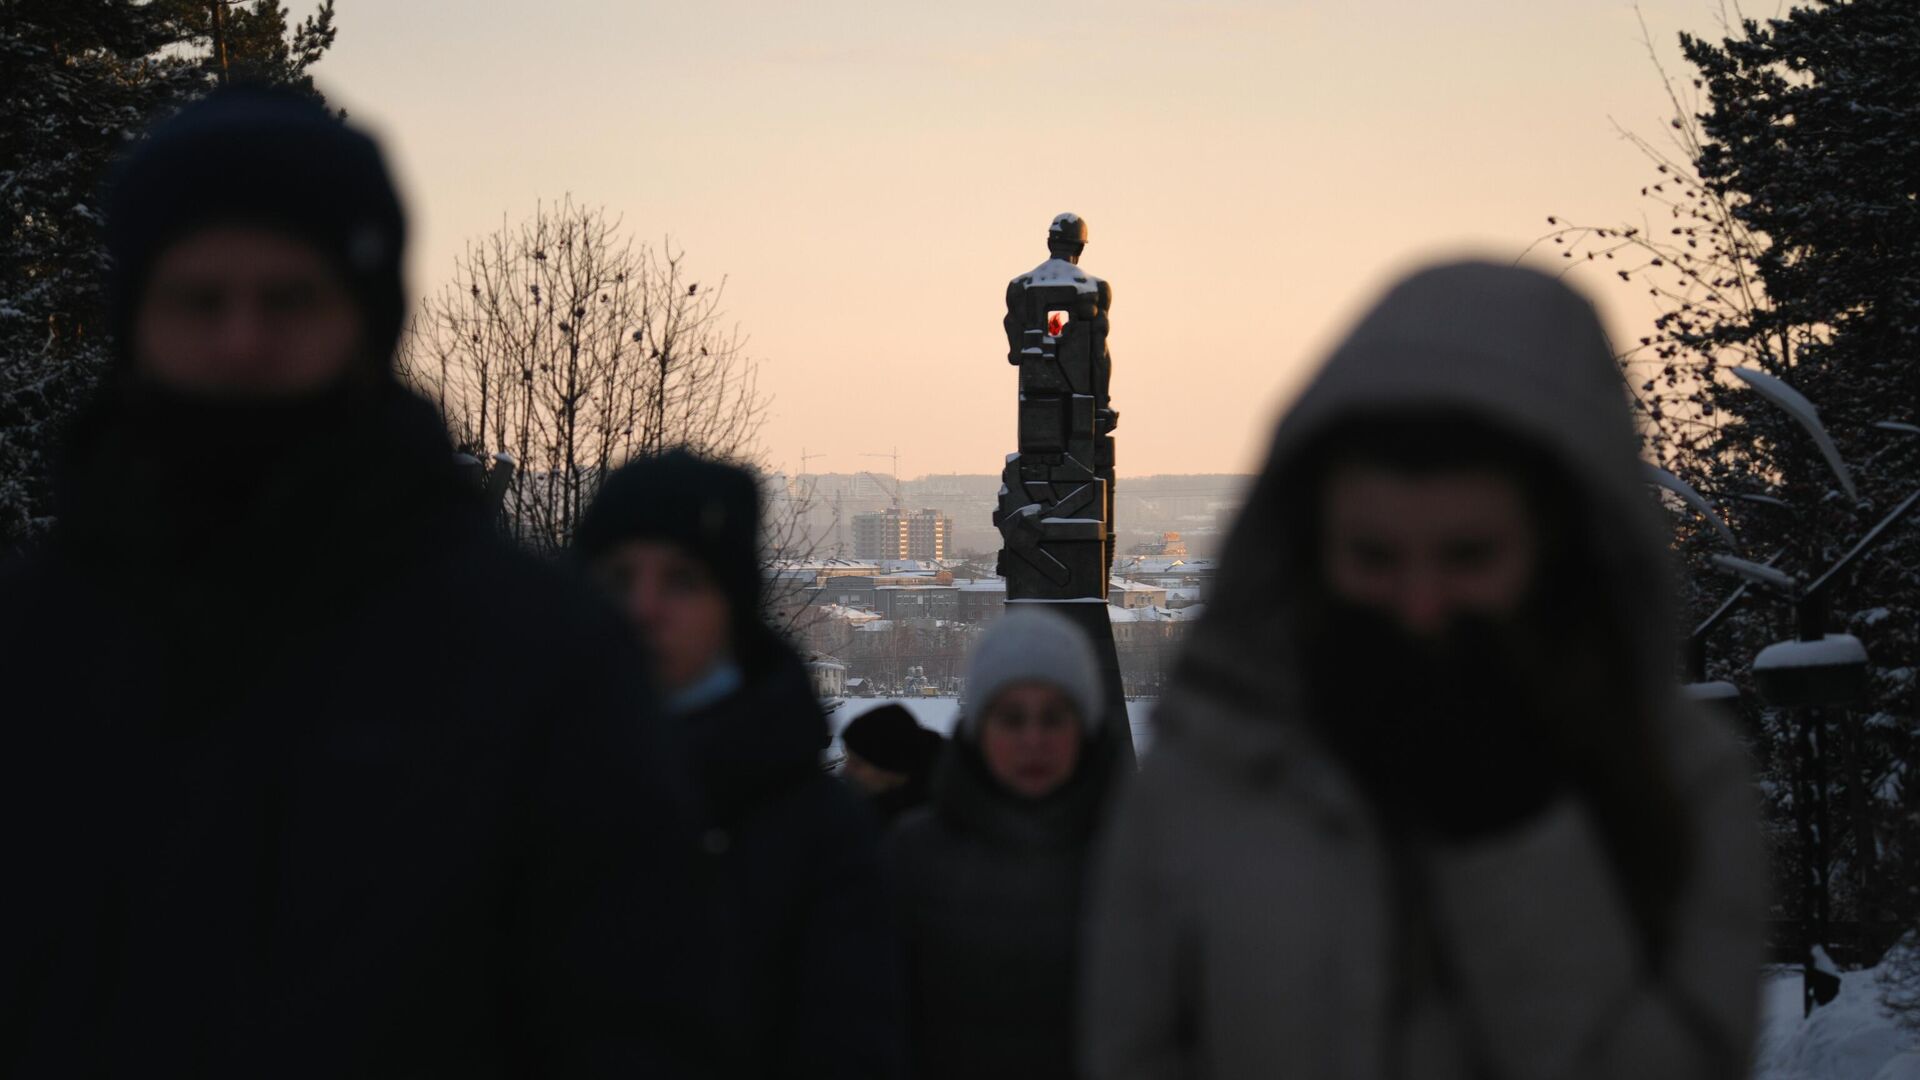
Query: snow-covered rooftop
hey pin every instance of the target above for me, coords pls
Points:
(909, 566)
(1154, 614)
(1161, 564)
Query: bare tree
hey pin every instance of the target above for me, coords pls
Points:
(789, 544)
(566, 345)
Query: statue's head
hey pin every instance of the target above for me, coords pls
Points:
(1067, 237)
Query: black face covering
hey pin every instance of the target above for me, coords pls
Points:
(1448, 732)
(235, 443)
(240, 524)
(167, 482)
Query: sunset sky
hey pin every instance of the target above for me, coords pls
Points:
(868, 176)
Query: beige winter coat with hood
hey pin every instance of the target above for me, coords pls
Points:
(1250, 915)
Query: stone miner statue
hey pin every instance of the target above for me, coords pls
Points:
(1056, 500)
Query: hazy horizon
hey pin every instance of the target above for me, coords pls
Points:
(868, 179)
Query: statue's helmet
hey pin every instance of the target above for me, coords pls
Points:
(1067, 235)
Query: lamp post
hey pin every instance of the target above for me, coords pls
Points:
(1812, 672)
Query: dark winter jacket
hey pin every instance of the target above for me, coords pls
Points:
(807, 937)
(892, 805)
(307, 774)
(990, 893)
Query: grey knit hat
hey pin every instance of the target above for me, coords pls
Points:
(1030, 644)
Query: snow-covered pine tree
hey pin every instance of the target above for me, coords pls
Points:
(1813, 144)
(1788, 239)
(82, 77)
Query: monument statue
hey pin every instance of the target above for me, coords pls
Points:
(1055, 512)
(1056, 497)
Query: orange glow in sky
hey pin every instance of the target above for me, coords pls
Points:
(829, 159)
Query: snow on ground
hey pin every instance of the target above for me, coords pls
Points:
(941, 713)
(1850, 1038)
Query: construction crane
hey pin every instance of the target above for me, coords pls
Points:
(800, 479)
(882, 483)
(893, 456)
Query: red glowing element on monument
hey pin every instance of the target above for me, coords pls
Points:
(1056, 323)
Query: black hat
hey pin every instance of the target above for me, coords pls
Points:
(710, 509)
(258, 155)
(891, 739)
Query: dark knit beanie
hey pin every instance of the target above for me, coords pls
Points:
(267, 157)
(891, 739)
(709, 509)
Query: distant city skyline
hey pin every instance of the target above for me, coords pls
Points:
(867, 178)
(1200, 506)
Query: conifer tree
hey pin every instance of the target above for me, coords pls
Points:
(1786, 238)
(81, 79)
(1812, 143)
(261, 47)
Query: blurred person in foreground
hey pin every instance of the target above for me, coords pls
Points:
(308, 773)
(890, 760)
(806, 945)
(1426, 800)
(991, 874)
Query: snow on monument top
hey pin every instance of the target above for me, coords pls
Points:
(1061, 272)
